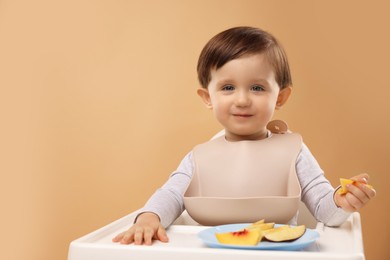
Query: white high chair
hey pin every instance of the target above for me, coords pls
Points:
(342, 243)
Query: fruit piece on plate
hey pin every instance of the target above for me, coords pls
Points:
(261, 221)
(264, 232)
(279, 228)
(285, 233)
(262, 226)
(344, 183)
(246, 236)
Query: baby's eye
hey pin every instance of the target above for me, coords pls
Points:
(257, 88)
(228, 88)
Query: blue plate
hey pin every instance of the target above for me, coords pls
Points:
(208, 237)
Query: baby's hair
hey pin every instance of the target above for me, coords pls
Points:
(239, 41)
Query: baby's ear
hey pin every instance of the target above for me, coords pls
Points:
(283, 96)
(204, 94)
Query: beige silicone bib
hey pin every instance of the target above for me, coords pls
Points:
(245, 181)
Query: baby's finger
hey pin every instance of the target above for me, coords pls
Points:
(138, 236)
(354, 202)
(162, 235)
(363, 177)
(127, 238)
(118, 237)
(368, 190)
(148, 236)
(357, 192)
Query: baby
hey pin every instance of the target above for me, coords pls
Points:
(245, 76)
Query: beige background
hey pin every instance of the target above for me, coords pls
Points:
(98, 105)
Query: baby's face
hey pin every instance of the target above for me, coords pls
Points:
(243, 95)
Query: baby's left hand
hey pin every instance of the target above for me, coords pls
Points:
(357, 196)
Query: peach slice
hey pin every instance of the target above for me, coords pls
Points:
(344, 183)
(285, 233)
(261, 221)
(262, 226)
(257, 231)
(248, 237)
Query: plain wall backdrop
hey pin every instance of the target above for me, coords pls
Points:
(98, 105)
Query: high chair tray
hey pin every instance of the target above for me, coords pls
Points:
(342, 243)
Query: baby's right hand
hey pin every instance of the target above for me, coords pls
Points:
(146, 228)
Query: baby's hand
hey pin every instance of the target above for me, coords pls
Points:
(146, 228)
(357, 196)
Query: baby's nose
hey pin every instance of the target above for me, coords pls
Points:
(242, 99)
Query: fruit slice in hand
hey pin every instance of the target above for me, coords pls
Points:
(344, 183)
(242, 237)
(285, 233)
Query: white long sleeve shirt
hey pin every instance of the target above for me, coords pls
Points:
(317, 192)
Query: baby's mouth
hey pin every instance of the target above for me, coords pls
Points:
(242, 115)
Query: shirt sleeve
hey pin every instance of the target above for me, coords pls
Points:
(167, 201)
(317, 192)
